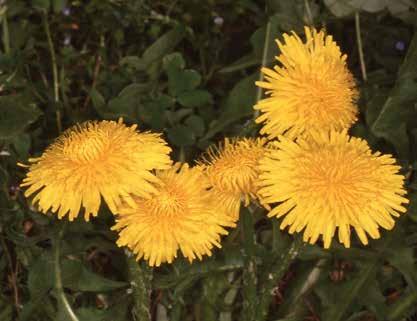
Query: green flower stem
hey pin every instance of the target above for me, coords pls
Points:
(140, 276)
(250, 297)
(62, 298)
(280, 265)
(54, 69)
(6, 37)
(360, 46)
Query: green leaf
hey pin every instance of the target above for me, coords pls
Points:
(163, 45)
(181, 136)
(239, 104)
(115, 313)
(242, 63)
(399, 108)
(402, 258)
(97, 99)
(196, 125)
(404, 9)
(124, 105)
(412, 207)
(173, 61)
(15, 115)
(133, 62)
(40, 278)
(195, 98)
(21, 144)
(180, 81)
(41, 4)
(6, 311)
(342, 8)
(153, 112)
(343, 297)
(77, 277)
(58, 5)
(403, 307)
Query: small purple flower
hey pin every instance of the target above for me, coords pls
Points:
(218, 21)
(400, 45)
(66, 11)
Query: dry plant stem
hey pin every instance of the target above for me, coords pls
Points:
(312, 278)
(13, 273)
(264, 58)
(62, 298)
(140, 277)
(360, 47)
(308, 12)
(54, 69)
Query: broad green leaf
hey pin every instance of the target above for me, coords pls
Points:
(403, 9)
(97, 99)
(399, 108)
(6, 311)
(58, 5)
(163, 45)
(133, 62)
(402, 258)
(15, 115)
(239, 104)
(264, 39)
(77, 277)
(242, 63)
(181, 135)
(342, 8)
(154, 112)
(412, 207)
(343, 297)
(41, 4)
(195, 98)
(173, 61)
(21, 144)
(180, 81)
(124, 105)
(39, 278)
(196, 125)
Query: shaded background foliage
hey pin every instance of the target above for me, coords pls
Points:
(187, 69)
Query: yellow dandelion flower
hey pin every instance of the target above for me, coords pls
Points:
(95, 159)
(179, 216)
(311, 90)
(232, 169)
(331, 181)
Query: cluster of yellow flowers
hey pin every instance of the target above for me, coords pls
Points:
(308, 170)
(314, 174)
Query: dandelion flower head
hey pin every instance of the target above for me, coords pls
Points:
(232, 169)
(180, 216)
(331, 181)
(95, 159)
(310, 90)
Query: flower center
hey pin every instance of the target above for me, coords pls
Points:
(235, 174)
(320, 100)
(84, 147)
(169, 202)
(335, 174)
